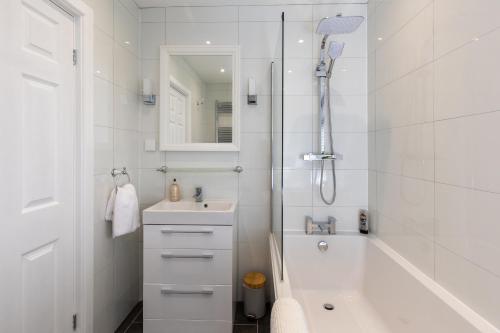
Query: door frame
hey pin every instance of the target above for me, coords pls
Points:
(84, 166)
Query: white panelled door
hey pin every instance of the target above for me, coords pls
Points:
(177, 117)
(38, 190)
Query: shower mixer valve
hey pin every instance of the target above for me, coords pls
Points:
(319, 157)
(328, 227)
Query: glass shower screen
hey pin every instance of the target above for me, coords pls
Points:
(277, 109)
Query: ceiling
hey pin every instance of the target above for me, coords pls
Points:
(208, 68)
(168, 3)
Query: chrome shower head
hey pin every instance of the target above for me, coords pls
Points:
(335, 50)
(339, 25)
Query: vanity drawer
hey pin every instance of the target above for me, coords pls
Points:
(188, 266)
(187, 326)
(189, 302)
(187, 237)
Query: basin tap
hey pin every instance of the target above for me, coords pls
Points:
(198, 195)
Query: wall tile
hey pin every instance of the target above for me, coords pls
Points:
(103, 55)
(255, 150)
(202, 14)
(410, 49)
(254, 187)
(273, 13)
(152, 36)
(459, 21)
(464, 225)
(103, 149)
(407, 151)
(392, 16)
(103, 102)
(472, 89)
(126, 67)
(126, 28)
(199, 33)
(126, 109)
(256, 118)
(259, 39)
(126, 149)
(298, 40)
(407, 101)
(464, 149)
(152, 185)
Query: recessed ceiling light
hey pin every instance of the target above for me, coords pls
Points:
(98, 72)
(300, 41)
(126, 42)
(344, 69)
(208, 42)
(475, 39)
(222, 70)
(380, 38)
(290, 71)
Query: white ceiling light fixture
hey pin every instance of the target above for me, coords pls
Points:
(300, 41)
(222, 70)
(208, 42)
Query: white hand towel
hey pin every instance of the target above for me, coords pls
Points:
(126, 211)
(110, 206)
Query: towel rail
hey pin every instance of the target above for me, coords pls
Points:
(117, 173)
(165, 169)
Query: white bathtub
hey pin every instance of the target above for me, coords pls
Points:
(372, 288)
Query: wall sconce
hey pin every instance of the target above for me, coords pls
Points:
(252, 94)
(148, 97)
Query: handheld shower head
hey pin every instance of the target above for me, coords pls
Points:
(334, 51)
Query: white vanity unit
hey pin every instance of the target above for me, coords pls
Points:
(189, 267)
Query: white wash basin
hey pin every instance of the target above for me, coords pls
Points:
(209, 212)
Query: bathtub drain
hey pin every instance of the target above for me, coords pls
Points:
(328, 306)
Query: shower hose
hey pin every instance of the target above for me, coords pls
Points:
(323, 162)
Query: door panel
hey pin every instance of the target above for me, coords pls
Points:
(37, 242)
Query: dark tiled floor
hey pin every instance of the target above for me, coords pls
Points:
(241, 323)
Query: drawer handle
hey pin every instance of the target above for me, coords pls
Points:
(187, 256)
(171, 231)
(168, 291)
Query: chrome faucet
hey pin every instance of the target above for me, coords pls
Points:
(328, 227)
(198, 195)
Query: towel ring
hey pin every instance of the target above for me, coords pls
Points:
(117, 173)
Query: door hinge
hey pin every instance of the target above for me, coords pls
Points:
(75, 58)
(75, 321)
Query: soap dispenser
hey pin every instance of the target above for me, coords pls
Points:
(175, 191)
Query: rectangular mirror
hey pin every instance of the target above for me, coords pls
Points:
(199, 107)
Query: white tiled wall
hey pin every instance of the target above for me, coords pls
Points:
(117, 134)
(257, 30)
(349, 117)
(434, 184)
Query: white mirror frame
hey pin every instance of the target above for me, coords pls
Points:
(176, 50)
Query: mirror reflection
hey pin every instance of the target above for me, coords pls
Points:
(200, 92)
